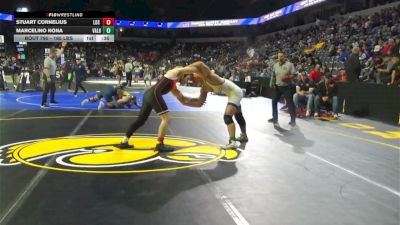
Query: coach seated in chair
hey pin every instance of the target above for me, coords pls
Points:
(304, 92)
(327, 94)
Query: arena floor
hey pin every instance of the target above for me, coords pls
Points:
(59, 167)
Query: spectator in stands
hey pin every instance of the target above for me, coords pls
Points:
(115, 70)
(318, 61)
(352, 65)
(341, 77)
(234, 76)
(375, 61)
(395, 76)
(385, 75)
(324, 70)
(396, 49)
(299, 68)
(338, 35)
(120, 71)
(311, 62)
(147, 76)
(141, 73)
(332, 50)
(247, 81)
(389, 45)
(137, 73)
(265, 72)
(237, 78)
(327, 94)
(101, 73)
(365, 54)
(377, 57)
(344, 54)
(304, 92)
(315, 75)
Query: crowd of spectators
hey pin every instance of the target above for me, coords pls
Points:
(350, 48)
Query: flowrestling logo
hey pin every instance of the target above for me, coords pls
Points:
(99, 154)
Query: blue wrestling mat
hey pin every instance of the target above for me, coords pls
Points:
(67, 101)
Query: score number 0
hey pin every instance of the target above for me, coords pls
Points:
(108, 21)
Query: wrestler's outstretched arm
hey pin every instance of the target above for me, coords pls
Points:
(191, 102)
(189, 70)
(198, 68)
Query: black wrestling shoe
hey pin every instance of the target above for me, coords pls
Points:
(243, 138)
(292, 123)
(271, 120)
(124, 145)
(54, 103)
(44, 106)
(164, 148)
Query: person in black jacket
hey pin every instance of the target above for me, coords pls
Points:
(327, 94)
(37, 73)
(80, 76)
(352, 65)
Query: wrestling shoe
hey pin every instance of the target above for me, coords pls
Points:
(45, 106)
(242, 138)
(231, 145)
(84, 102)
(101, 105)
(54, 103)
(285, 107)
(164, 148)
(124, 145)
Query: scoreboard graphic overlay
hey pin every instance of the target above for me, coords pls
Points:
(64, 27)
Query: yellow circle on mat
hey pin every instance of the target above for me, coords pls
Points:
(94, 153)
